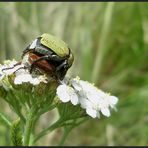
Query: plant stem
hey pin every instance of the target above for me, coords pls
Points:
(5, 119)
(103, 42)
(65, 134)
(46, 130)
(29, 125)
(16, 107)
(67, 130)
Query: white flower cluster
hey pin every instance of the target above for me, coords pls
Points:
(88, 96)
(21, 74)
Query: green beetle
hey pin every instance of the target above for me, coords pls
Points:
(54, 51)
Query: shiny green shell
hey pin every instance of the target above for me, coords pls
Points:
(57, 45)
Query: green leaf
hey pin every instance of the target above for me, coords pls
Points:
(4, 119)
(16, 133)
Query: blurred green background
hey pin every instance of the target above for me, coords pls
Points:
(110, 44)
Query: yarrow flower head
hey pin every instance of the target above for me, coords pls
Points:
(90, 98)
(80, 93)
(67, 93)
(22, 75)
(16, 79)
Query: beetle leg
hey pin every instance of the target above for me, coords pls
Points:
(12, 67)
(64, 64)
(21, 68)
(60, 75)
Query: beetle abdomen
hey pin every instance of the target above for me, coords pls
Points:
(42, 65)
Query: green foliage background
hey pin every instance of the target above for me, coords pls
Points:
(109, 39)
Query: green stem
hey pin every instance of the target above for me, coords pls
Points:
(40, 112)
(16, 106)
(103, 42)
(5, 119)
(46, 130)
(21, 116)
(67, 130)
(29, 125)
(65, 134)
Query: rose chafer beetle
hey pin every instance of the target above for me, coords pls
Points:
(48, 50)
(48, 54)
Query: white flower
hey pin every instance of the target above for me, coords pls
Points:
(100, 102)
(92, 112)
(5, 72)
(84, 87)
(66, 94)
(93, 99)
(11, 68)
(24, 76)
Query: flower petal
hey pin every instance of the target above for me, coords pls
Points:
(73, 96)
(91, 112)
(113, 100)
(85, 103)
(35, 81)
(105, 112)
(76, 85)
(62, 93)
(22, 78)
(74, 99)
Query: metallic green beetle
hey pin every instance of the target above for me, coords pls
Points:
(53, 50)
